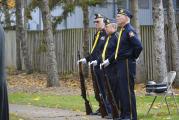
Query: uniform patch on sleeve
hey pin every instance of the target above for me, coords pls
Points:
(131, 34)
(102, 38)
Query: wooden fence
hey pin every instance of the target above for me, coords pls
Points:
(68, 42)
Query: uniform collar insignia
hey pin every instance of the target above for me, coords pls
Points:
(102, 38)
(121, 11)
(131, 34)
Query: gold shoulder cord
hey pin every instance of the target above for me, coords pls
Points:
(95, 42)
(118, 42)
(104, 50)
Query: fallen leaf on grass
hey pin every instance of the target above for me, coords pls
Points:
(168, 118)
(85, 118)
(155, 107)
(37, 98)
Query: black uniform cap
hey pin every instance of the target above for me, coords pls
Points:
(124, 12)
(108, 21)
(98, 16)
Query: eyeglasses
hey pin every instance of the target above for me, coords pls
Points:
(96, 21)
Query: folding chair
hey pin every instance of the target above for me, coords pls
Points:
(169, 79)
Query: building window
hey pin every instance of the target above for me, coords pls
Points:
(122, 3)
(177, 4)
(164, 4)
(143, 4)
(104, 4)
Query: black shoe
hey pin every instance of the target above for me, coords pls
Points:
(117, 118)
(96, 113)
(109, 116)
(125, 118)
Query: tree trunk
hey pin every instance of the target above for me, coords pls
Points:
(140, 72)
(52, 63)
(174, 38)
(27, 61)
(85, 35)
(159, 41)
(7, 17)
(18, 36)
(21, 36)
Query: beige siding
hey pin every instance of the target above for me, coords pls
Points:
(10, 48)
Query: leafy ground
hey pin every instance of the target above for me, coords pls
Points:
(15, 117)
(69, 84)
(31, 90)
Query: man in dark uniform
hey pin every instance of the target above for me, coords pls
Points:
(108, 64)
(127, 51)
(97, 46)
(107, 58)
(4, 107)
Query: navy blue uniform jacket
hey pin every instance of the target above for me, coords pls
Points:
(130, 46)
(111, 47)
(99, 46)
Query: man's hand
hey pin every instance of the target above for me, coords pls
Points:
(104, 64)
(83, 61)
(94, 62)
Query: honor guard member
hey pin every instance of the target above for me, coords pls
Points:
(97, 47)
(107, 58)
(4, 106)
(128, 50)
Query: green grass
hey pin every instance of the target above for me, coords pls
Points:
(65, 102)
(76, 103)
(143, 104)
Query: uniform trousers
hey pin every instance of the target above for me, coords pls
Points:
(126, 74)
(100, 81)
(111, 72)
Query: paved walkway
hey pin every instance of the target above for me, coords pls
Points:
(40, 113)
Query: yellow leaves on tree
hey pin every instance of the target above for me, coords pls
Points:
(11, 3)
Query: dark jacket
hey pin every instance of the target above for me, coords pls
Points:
(99, 46)
(4, 107)
(130, 45)
(111, 47)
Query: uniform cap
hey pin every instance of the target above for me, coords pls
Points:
(98, 16)
(109, 21)
(124, 12)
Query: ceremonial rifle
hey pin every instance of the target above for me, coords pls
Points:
(98, 92)
(83, 89)
(109, 93)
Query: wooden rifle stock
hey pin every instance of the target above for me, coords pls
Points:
(83, 89)
(102, 106)
(115, 110)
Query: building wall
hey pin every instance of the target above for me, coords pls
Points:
(177, 18)
(145, 13)
(106, 10)
(75, 19)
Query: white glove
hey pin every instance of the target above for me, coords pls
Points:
(83, 61)
(100, 66)
(94, 62)
(105, 63)
(137, 59)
